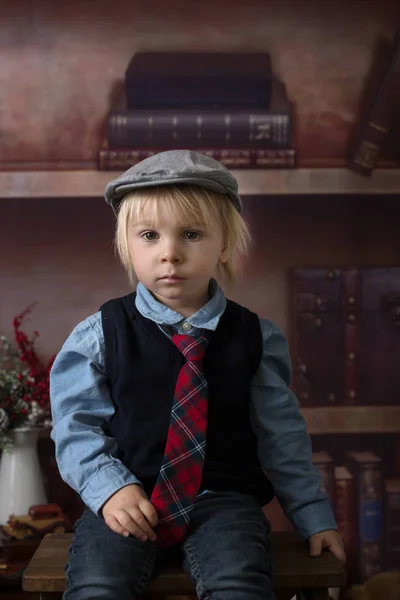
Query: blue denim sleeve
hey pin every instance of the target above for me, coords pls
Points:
(284, 446)
(81, 405)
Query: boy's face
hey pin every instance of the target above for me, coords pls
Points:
(175, 260)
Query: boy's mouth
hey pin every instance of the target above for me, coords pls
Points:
(172, 278)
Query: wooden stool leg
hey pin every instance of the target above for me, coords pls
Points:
(316, 594)
(286, 594)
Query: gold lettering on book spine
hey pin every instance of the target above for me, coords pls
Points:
(227, 127)
(366, 154)
(199, 122)
(263, 131)
(378, 127)
(175, 123)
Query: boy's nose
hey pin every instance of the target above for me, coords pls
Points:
(171, 253)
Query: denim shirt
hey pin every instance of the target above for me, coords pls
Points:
(81, 405)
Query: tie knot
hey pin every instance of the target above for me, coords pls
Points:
(192, 348)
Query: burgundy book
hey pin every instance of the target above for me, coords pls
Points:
(392, 524)
(205, 127)
(234, 158)
(366, 470)
(346, 340)
(377, 120)
(345, 513)
(177, 79)
(324, 462)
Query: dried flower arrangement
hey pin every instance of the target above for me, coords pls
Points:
(24, 384)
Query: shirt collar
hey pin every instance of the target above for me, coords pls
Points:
(206, 318)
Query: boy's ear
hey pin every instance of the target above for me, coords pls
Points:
(224, 255)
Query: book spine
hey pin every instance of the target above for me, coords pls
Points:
(370, 520)
(175, 92)
(328, 479)
(179, 129)
(376, 122)
(176, 79)
(351, 303)
(345, 517)
(109, 159)
(318, 378)
(392, 525)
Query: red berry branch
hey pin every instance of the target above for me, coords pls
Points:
(37, 383)
(24, 382)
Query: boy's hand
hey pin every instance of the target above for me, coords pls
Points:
(329, 539)
(129, 511)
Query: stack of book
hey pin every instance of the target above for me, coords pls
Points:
(367, 510)
(229, 106)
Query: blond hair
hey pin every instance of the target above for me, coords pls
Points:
(188, 201)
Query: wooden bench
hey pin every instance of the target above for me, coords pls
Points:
(295, 571)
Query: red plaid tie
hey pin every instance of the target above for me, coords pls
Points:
(180, 475)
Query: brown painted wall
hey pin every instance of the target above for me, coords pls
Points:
(59, 62)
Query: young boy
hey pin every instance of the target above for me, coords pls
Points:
(171, 405)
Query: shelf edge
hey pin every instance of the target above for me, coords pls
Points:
(91, 183)
(323, 420)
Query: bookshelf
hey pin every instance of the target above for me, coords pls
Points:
(63, 123)
(338, 420)
(91, 183)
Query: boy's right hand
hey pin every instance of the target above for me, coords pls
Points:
(129, 511)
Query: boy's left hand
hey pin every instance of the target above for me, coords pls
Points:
(329, 539)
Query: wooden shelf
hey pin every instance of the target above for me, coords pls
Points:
(352, 419)
(91, 183)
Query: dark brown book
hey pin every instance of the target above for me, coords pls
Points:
(346, 338)
(13, 550)
(345, 513)
(392, 524)
(366, 470)
(208, 127)
(377, 120)
(247, 158)
(176, 79)
(324, 462)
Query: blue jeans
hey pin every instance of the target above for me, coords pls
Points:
(226, 553)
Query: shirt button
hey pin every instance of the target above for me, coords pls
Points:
(186, 326)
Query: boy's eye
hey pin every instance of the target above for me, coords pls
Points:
(149, 236)
(192, 235)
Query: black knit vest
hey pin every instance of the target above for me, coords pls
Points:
(142, 366)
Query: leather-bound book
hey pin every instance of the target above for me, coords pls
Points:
(324, 461)
(109, 159)
(366, 470)
(203, 127)
(392, 524)
(345, 513)
(177, 79)
(346, 340)
(377, 120)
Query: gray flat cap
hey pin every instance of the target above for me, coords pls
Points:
(172, 167)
